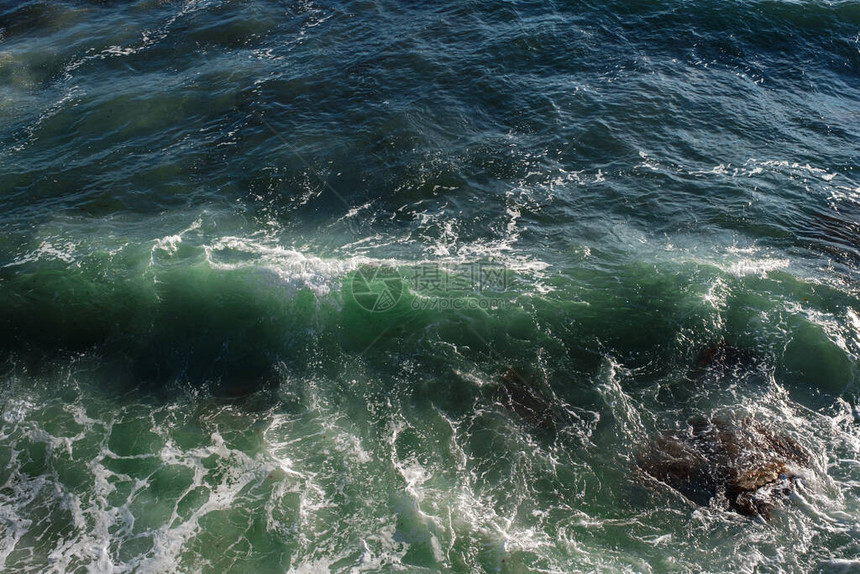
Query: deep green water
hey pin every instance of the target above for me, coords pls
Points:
(263, 265)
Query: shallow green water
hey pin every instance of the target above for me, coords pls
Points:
(264, 266)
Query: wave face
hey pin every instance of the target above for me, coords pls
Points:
(365, 285)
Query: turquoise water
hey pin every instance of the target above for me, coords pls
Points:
(264, 266)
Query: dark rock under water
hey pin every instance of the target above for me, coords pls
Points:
(525, 398)
(724, 357)
(737, 463)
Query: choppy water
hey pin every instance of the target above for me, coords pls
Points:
(263, 265)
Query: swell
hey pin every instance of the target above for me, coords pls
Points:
(232, 314)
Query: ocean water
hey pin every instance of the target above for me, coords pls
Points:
(264, 266)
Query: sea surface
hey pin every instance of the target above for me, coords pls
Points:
(265, 267)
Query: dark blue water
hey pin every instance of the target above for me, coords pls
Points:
(266, 266)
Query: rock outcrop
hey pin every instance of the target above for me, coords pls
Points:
(737, 463)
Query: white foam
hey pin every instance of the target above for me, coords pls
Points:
(760, 267)
(298, 270)
(169, 244)
(294, 268)
(623, 408)
(47, 250)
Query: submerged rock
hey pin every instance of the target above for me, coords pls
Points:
(737, 463)
(722, 357)
(525, 398)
